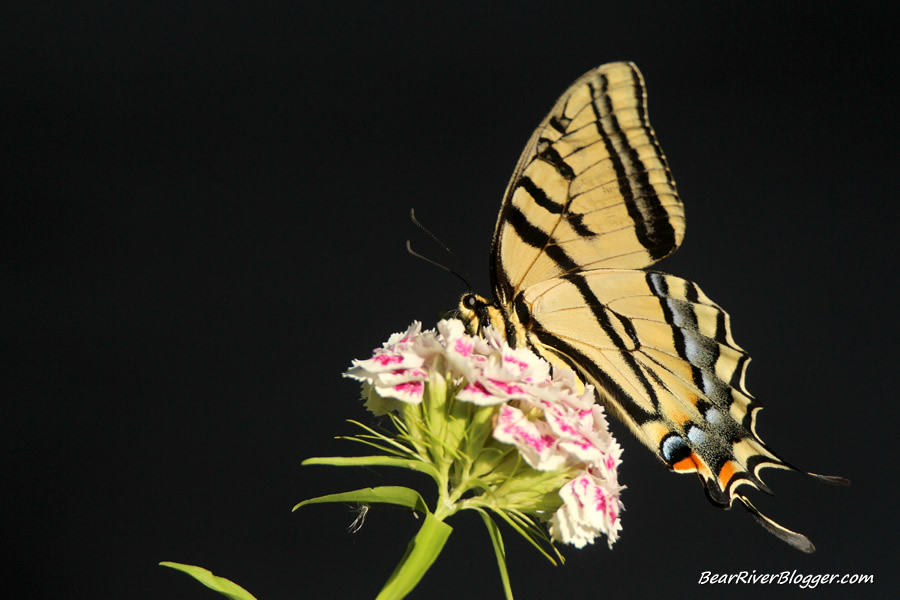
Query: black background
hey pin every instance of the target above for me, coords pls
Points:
(203, 221)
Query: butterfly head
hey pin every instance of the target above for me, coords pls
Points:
(477, 312)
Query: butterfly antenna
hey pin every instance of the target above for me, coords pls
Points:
(464, 277)
(437, 264)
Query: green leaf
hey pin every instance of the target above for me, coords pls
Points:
(499, 550)
(373, 461)
(220, 584)
(421, 553)
(388, 494)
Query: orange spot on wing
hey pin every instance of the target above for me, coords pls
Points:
(726, 473)
(692, 464)
(680, 418)
(687, 465)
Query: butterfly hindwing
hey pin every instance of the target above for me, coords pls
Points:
(662, 354)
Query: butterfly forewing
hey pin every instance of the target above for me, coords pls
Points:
(592, 188)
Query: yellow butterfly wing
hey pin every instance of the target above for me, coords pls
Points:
(592, 188)
(663, 360)
(591, 201)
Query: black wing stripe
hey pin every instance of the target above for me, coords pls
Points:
(659, 240)
(576, 220)
(580, 363)
(658, 283)
(559, 123)
(539, 196)
(640, 97)
(644, 233)
(721, 328)
(617, 165)
(738, 373)
(529, 234)
(549, 154)
(690, 293)
(538, 238)
(602, 317)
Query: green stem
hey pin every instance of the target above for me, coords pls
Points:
(421, 553)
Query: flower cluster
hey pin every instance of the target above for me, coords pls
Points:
(560, 434)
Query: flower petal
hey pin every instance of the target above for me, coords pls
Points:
(590, 509)
(410, 391)
(533, 439)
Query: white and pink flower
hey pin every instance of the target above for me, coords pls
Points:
(554, 427)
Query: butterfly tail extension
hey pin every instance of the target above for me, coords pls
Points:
(830, 479)
(750, 456)
(764, 457)
(795, 539)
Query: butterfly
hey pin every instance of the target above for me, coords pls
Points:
(591, 204)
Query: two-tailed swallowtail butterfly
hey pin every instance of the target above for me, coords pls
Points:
(591, 204)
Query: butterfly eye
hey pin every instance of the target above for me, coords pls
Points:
(470, 302)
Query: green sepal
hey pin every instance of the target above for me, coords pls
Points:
(225, 587)
(388, 494)
(391, 445)
(421, 553)
(526, 527)
(443, 431)
(479, 431)
(499, 551)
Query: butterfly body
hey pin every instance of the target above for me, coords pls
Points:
(590, 205)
